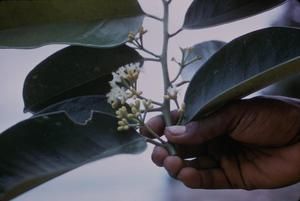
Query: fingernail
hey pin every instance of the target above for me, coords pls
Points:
(176, 130)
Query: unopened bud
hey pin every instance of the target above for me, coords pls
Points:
(130, 116)
(137, 103)
(134, 110)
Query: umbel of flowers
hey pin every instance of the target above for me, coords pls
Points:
(130, 104)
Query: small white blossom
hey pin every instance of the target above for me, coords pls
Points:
(172, 92)
(134, 67)
(116, 78)
(117, 94)
(128, 72)
(122, 72)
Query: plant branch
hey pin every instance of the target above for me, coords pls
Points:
(153, 17)
(157, 109)
(167, 1)
(140, 96)
(197, 58)
(175, 33)
(182, 65)
(150, 52)
(155, 135)
(177, 76)
(177, 104)
(139, 46)
(164, 62)
(182, 83)
(152, 59)
(154, 102)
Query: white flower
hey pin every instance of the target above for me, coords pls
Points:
(133, 67)
(116, 78)
(122, 72)
(117, 94)
(172, 92)
(127, 72)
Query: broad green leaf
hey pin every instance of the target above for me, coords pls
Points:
(289, 87)
(74, 71)
(101, 23)
(243, 66)
(203, 51)
(206, 13)
(47, 145)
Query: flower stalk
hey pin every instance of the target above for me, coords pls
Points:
(164, 62)
(131, 106)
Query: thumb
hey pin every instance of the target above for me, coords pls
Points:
(200, 131)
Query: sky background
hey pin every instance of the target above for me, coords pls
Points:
(124, 177)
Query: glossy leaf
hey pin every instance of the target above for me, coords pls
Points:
(243, 66)
(288, 87)
(101, 23)
(206, 13)
(48, 145)
(74, 71)
(203, 51)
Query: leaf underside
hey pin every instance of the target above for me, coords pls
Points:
(243, 66)
(50, 144)
(101, 23)
(206, 13)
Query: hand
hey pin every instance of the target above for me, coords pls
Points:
(248, 144)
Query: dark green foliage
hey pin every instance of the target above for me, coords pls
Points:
(50, 144)
(101, 23)
(205, 13)
(243, 66)
(74, 71)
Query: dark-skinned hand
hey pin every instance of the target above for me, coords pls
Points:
(248, 144)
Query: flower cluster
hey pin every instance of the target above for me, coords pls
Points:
(131, 107)
(121, 85)
(132, 115)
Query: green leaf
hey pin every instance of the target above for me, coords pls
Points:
(242, 67)
(101, 23)
(74, 71)
(203, 51)
(48, 145)
(206, 13)
(288, 87)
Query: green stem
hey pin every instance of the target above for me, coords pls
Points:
(154, 142)
(152, 59)
(177, 32)
(182, 83)
(155, 135)
(164, 62)
(153, 17)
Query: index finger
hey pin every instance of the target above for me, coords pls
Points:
(157, 124)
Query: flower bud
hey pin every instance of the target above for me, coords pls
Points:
(134, 110)
(137, 103)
